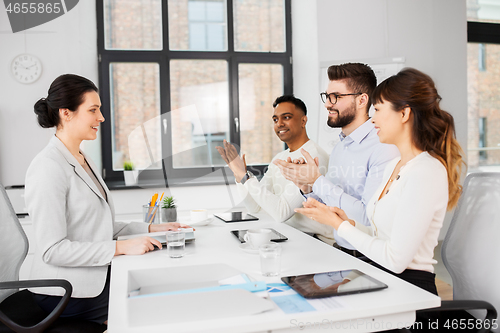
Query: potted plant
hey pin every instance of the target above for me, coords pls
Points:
(168, 210)
(129, 174)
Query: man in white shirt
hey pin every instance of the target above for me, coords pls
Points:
(358, 161)
(274, 194)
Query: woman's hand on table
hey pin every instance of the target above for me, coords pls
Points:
(139, 245)
(167, 226)
(323, 214)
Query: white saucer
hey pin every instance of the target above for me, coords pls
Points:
(196, 223)
(248, 249)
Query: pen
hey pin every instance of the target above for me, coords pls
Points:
(153, 214)
(152, 205)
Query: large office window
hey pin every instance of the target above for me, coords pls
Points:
(483, 76)
(177, 77)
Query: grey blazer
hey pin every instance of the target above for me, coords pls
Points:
(74, 226)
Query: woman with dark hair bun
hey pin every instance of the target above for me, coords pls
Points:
(408, 209)
(71, 207)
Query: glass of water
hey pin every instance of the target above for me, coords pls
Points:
(175, 244)
(270, 259)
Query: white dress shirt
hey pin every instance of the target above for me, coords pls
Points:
(355, 171)
(407, 220)
(279, 197)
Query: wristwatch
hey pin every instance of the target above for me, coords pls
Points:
(246, 177)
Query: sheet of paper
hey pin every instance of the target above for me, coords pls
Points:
(293, 303)
(237, 279)
(290, 301)
(328, 303)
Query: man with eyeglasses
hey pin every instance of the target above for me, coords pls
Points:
(358, 161)
(274, 194)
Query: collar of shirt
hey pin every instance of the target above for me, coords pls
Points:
(359, 133)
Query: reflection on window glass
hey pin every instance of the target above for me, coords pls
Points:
(481, 57)
(482, 138)
(200, 111)
(132, 24)
(483, 11)
(483, 109)
(135, 114)
(259, 86)
(259, 25)
(197, 25)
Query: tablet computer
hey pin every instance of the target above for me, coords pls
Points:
(276, 236)
(236, 217)
(335, 283)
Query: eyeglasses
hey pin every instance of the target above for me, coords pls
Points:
(333, 97)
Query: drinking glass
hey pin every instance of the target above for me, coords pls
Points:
(270, 259)
(176, 244)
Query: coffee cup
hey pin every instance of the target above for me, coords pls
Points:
(198, 215)
(257, 237)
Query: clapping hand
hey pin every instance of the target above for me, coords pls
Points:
(236, 163)
(303, 172)
(323, 214)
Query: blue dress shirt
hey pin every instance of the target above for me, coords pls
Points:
(355, 171)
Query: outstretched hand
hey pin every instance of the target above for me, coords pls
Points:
(236, 163)
(303, 172)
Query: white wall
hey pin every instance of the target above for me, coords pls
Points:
(430, 34)
(64, 45)
(306, 60)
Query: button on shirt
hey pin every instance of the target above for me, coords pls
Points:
(355, 172)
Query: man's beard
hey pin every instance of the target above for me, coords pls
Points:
(344, 118)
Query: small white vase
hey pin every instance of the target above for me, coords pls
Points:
(130, 177)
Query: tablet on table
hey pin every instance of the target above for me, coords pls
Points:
(333, 283)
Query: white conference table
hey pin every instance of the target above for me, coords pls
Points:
(301, 254)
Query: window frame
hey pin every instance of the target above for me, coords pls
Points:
(483, 33)
(183, 176)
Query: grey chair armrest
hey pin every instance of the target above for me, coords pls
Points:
(456, 305)
(44, 324)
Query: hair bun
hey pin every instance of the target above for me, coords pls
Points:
(45, 115)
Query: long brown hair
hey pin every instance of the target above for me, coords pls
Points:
(433, 129)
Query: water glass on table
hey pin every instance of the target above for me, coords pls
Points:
(176, 243)
(270, 259)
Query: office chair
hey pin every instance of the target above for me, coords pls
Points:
(18, 310)
(470, 253)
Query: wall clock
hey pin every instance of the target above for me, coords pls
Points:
(26, 68)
